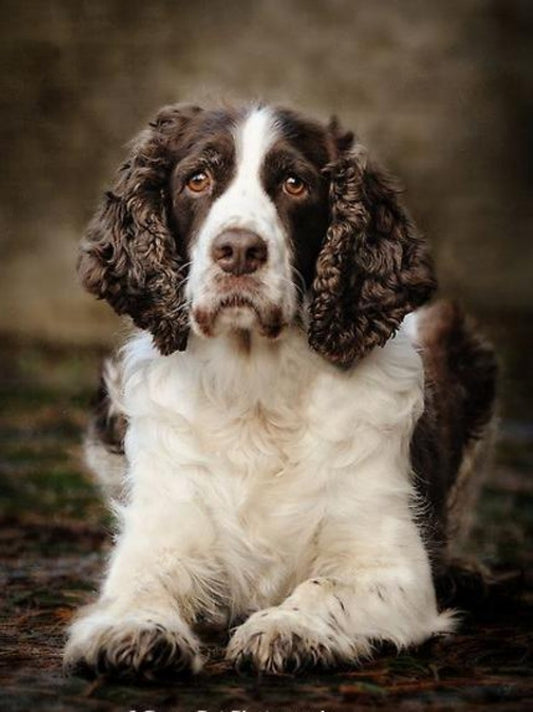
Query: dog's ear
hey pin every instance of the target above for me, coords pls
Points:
(129, 255)
(373, 267)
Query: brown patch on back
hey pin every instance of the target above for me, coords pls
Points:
(460, 371)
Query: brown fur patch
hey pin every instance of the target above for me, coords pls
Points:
(460, 370)
(373, 268)
(129, 255)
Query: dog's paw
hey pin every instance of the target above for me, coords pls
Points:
(280, 640)
(131, 649)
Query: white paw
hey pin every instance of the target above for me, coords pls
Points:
(285, 640)
(131, 648)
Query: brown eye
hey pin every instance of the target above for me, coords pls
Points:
(294, 185)
(199, 182)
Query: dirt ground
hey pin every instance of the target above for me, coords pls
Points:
(55, 534)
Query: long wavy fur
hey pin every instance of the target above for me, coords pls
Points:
(373, 268)
(129, 255)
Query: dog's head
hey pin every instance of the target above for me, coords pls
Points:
(252, 220)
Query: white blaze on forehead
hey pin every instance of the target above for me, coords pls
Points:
(246, 205)
(253, 139)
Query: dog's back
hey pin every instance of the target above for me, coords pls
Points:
(453, 438)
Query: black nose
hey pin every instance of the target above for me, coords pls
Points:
(239, 251)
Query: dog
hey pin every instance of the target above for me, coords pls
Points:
(290, 437)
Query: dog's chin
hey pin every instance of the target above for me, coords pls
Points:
(238, 316)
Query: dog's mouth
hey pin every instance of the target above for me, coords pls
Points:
(239, 312)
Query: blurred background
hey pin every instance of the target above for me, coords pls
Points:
(439, 91)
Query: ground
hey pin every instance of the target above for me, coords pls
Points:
(55, 534)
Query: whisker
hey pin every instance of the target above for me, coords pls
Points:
(300, 289)
(181, 283)
(182, 308)
(302, 280)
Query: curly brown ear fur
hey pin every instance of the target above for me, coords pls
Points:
(129, 255)
(373, 267)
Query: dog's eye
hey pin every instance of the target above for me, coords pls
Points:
(294, 186)
(199, 182)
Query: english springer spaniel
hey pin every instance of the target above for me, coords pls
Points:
(288, 445)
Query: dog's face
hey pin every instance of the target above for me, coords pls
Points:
(251, 220)
(250, 204)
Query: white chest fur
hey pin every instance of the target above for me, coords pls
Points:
(275, 489)
(260, 451)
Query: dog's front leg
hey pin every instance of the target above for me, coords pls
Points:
(161, 575)
(370, 582)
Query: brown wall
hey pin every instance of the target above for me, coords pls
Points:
(438, 90)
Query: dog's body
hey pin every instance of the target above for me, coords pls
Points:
(284, 459)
